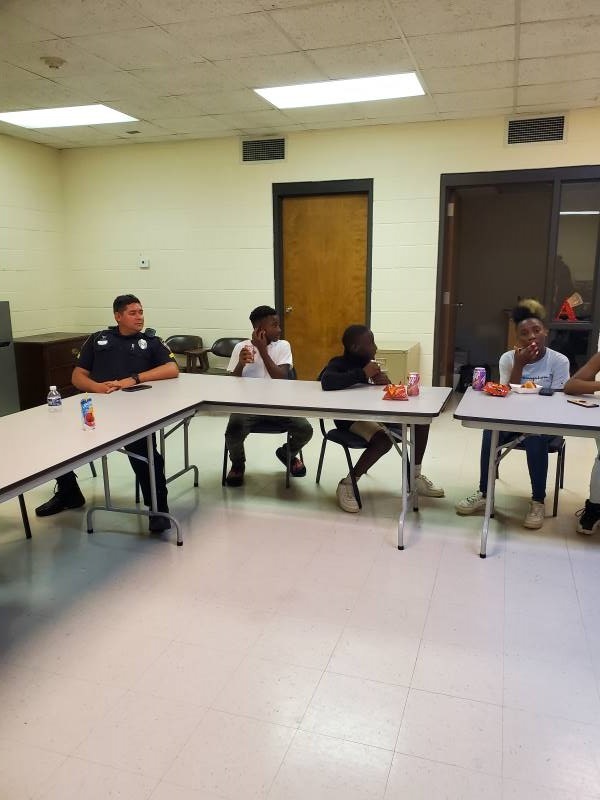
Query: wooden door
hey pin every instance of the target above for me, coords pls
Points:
(324, 258)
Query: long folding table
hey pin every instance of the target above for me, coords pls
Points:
(44, 444)
(522, 413)
(226, 395)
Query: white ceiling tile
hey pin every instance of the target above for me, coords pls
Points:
(270, 118)
(362, 60)
(186, 79)
(75, 18)
(537, 10)
(418, 17)
(464, 48)
(462, 79)
(275, 70)
(472, 101)
(230, 102)
(77, 61)
(270, 5)
(82, 133)
(17, 29)
(474, 114)
(37, 93)
(195, 124)
(10, 73)
(144, 47)
(153, 107)
(103, 86)
(558, 38)
(334, 24)
(557, 69)
(231, 37)
(166, 11)
(567, 94)
(344, 111)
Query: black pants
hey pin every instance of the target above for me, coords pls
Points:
(68, 482)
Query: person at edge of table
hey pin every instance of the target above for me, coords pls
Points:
(264, 355)
(584, 382)
(356, 366)
(116, 358)
(530, 360)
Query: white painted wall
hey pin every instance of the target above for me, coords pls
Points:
(205, 220)
(33, 272)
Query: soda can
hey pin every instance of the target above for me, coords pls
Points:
(88, 420)
(413, 384)
(479, 379)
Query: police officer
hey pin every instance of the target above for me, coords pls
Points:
(114, 359)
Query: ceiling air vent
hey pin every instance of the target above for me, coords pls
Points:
(536, 129)
(263, 149)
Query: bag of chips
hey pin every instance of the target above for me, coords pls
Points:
(395, 391)
(496, 389)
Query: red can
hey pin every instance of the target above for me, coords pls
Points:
(413, 384)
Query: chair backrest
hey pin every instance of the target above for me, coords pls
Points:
(182, 342)
(224, 347)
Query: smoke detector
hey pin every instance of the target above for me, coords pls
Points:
(53, 62)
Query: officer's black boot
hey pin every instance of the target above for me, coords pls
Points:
(67, 494)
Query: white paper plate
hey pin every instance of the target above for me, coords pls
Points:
(516, 387)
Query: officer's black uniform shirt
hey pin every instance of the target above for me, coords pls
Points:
(110, 356)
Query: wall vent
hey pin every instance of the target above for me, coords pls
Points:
(263, 149)
(535, 129)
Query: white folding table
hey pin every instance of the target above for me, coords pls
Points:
(228, 394)
(524, 414)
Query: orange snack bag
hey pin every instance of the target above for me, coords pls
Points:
(395, 391)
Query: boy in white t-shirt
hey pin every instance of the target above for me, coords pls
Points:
(265, 355)
(531, 360)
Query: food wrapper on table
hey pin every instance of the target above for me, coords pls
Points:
(496, 389)
(395, 391)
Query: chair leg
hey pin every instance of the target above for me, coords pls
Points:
(137, 492)
(224, 475)
(352, 478)
(24, 517)
(557, 480)
(321, 457)
(93, 468)
(288, 463)
(563, 454)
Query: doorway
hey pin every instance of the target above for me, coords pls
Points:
(509, 235)
(322, 265)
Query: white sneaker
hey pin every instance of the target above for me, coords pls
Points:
(426, 488)
(535, 516)
(345, 497)
(471, 505)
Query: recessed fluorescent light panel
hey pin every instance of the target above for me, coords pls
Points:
(96, 114)
(579, 213)
(357, 90)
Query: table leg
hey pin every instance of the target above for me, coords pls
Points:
(153, 508)
(489, 503)
(24, 517)
(404, 486)
(413, 477)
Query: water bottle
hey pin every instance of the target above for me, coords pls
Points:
(54, 399)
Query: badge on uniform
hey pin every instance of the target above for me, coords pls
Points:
(101, 342)
(143, 344)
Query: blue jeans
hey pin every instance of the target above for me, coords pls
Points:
(536, 448)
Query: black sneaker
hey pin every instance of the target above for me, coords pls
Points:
(61, 502)
(158, 524)
(297, 468)
(589, 518)
(235, 476)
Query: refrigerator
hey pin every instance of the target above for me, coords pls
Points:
(9, 392)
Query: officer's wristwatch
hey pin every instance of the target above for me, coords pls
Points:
(136, 378)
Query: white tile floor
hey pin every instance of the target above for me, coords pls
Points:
(288, 650)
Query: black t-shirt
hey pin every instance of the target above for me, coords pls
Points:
(342, 372)
(109, 356)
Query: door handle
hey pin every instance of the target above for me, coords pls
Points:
(288, 309)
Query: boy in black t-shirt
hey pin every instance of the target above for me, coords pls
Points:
(354, 367)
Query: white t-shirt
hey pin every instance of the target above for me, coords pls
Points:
(279, 351)
(551, 370)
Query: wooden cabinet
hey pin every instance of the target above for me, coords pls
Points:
(397, 359)
(44, 360)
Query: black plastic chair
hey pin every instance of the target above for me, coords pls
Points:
(223, 348)
(556, 445)
(181, 345)
(347, 441)
(268, 427)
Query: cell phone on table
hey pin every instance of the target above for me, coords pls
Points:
(137, 388)
(580, 401)
(546, 391)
